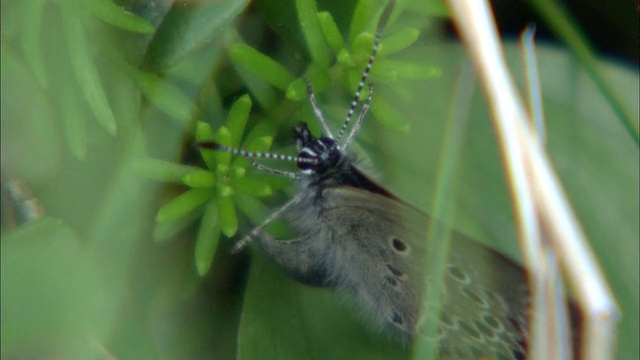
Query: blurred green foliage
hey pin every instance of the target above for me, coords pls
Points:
(102, 101)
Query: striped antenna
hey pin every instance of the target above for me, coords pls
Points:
(363, 80)
(255, 154)
(376, 44)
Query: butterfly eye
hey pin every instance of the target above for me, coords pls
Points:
(398, 245)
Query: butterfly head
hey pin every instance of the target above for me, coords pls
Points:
(319, 154)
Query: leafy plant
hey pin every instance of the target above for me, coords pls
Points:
(97, 93)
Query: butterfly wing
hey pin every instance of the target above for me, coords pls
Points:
(375, 247)
(381, 248)
(377, 254)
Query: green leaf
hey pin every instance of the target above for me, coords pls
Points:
(345, 59)
(205, 133)
(308, 17)
(261, 65)
(75, 123)
(183, 204)
(163, 231)
(186, 29)
(259, 88)
(109, 12)
(166, 97)
(331, 31)
(224, 190)
(223, 137)
(32, 40)
(260, 144)
(254, 187)
(208, 238)
(390, 117)
(265, 130)
(361, 48)
(199, 179)
(238, 116)
(31, 144)
(399, 41)
(228, 218)
(87, 74)
(360, 19)
(401, 70)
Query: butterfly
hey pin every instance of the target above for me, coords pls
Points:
(357, 236)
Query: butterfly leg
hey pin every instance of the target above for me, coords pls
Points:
(289, 174)
(276, 214)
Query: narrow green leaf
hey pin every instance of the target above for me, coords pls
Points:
(228, 217)
(264, 92)
(400, 41)
(263, 129)
(261, 144)
(238, 116)
(253, 187)
(389, 116)
(166, 97)
(261, 65)
(331, 31)
(362, 47)
(406, 70)
(87, 74)
(186, 29)
(199, 178)
(162, 170)
(32, 40)
(75, 123)
(205, 133)
(224, 190)
(222, 136)
(308, 17)
(182, 204)
(344, 58)
(208, 238)
(237, 172)
(111, 13)
(163, 231)
(360, 19)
